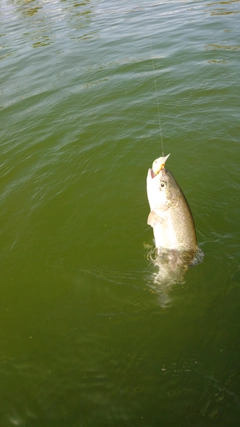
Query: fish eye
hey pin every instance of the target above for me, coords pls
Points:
(162, 184)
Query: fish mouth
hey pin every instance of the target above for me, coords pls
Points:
(152, 173)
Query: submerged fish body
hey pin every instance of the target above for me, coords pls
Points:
(170, 216)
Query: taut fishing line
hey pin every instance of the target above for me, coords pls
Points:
(155, 80)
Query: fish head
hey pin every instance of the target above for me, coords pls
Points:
(162, 188)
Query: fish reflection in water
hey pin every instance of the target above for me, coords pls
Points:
(170, 266)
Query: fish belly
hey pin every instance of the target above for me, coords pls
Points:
(175, 230)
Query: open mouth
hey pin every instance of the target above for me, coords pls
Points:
(153, 174)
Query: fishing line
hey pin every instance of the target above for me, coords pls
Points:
(155, 81)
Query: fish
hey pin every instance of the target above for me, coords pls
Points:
(170, 216)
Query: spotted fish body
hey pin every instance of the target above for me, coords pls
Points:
(170, 216)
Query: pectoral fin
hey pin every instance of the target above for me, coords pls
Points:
(153, 219)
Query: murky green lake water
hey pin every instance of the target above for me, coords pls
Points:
(87, 337)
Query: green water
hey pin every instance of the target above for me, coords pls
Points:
(87, 337)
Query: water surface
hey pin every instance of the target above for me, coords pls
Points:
(87, 337)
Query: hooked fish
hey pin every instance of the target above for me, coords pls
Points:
(170, 216)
